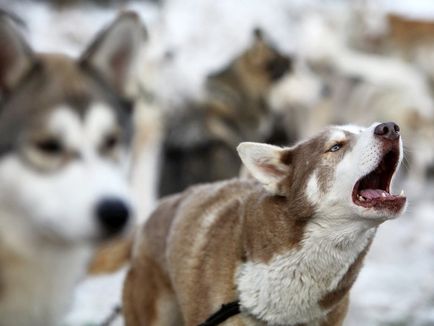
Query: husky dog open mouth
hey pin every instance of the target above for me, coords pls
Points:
(374, 189)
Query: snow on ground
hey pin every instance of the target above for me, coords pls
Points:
(396, 286)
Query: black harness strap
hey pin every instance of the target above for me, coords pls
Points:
(225, 312)
(117, 311)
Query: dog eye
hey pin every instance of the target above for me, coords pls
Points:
(335, 148)
(49, 146)
(109, 143)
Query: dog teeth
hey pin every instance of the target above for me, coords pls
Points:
(383, 194)
(361, 198)
(402, 194)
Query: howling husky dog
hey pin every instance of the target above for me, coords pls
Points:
(287, 244)
(64, 136)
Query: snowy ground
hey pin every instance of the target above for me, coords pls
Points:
(396, 287)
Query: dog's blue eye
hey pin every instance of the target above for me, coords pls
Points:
(335, 148)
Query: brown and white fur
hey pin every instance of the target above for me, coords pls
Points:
(288, 243)
(65, 132)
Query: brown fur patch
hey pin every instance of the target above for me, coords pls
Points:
(281, 231)
(409, 32)
(336, 317)
(111, 256)
(142, 304)
(156, 230)
(147, 285)
(218, 236)
(303, 159)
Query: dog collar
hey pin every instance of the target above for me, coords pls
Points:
(225, 312)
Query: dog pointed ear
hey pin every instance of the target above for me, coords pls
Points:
(267, 163)
(16, 57)
(114, 51)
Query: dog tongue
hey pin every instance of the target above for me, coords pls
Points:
(372, 193)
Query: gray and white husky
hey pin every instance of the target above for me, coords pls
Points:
(64, 139)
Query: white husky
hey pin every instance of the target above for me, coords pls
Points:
(64, 138)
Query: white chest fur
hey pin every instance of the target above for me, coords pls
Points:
(37, 291)
(288, 288)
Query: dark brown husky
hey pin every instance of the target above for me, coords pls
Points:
(201, 137)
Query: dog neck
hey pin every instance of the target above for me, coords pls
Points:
(294, 285)
(341, 233)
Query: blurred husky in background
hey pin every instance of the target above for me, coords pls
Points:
(65, 131)
(411, 39)
(360, 87)
(201, 138)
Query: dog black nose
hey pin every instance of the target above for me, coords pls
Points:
(387, 130)
(112, 215)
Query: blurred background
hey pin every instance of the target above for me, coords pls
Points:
(215, 73)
